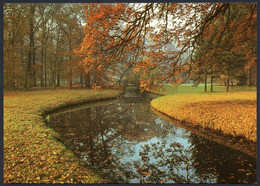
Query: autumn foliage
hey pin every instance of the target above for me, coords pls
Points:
(233, 114)
(165, 38)
(227, 47)
(32, 153)
(101, 20)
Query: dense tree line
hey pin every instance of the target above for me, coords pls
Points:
(99, 45)
(39, 40)
(227, 49)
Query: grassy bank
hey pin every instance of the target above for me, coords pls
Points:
(233, 112)
(31, 153)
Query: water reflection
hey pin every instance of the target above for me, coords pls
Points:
(127, 143)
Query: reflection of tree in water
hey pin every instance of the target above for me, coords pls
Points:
(228, 165)
(162, 162)
(203, 162)
(103, 135)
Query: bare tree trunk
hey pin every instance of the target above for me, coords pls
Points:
(42, 54)
(87, 80)
(58, 79)
(227, 88)
(205, 82)
(12, 70)
(54, 80)
(211, 84)
(251, 76)
(70, 75)
(45, 68)
(51, 61)
(42, 67)
(70, 59)
(23, 62)
(56, 62)
(81, 77)
(33, 66)
(31, 44)
(211, 79)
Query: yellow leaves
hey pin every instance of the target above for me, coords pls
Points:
(96, 87)
(145, 85)
(29, 155)
(147, 173)
(100, 67)
(241, 170)
(233, 113)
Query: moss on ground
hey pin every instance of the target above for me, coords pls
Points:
(31, 152)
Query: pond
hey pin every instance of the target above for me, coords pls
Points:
(126, 142)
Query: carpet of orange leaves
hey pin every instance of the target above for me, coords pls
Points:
(233, 113)
(31, 153)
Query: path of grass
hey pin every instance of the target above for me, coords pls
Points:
(31, 153)
(233, 113)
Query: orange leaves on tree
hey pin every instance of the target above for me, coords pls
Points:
(101, 19)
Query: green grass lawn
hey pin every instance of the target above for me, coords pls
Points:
(231, 112)
(187, 88)
(31, 152)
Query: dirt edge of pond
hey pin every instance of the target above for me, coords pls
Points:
(237, 143)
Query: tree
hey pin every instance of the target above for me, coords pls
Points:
(14, 44)
(180, 23)
(224, 46)
(145, 37)
(35, 42)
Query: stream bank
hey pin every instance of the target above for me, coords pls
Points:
(124, 141)
(31, 153)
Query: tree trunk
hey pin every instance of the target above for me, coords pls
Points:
(87, 80)
(12, 70)
(70, 58)
(42, 55)
(54, 80)
(70, 75)
(211, 84)
(52, 71)
(205, 83)
(56, 61)
(249, 77)
(58, 79)
(42, 67)
(81, 77)
(211, 79)
(45, 68)
(31, 44)
(227, 88)
(23, 62)
(33, 65)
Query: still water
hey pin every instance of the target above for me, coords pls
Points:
(126, 142)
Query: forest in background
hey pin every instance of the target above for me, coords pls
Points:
(103, 45)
